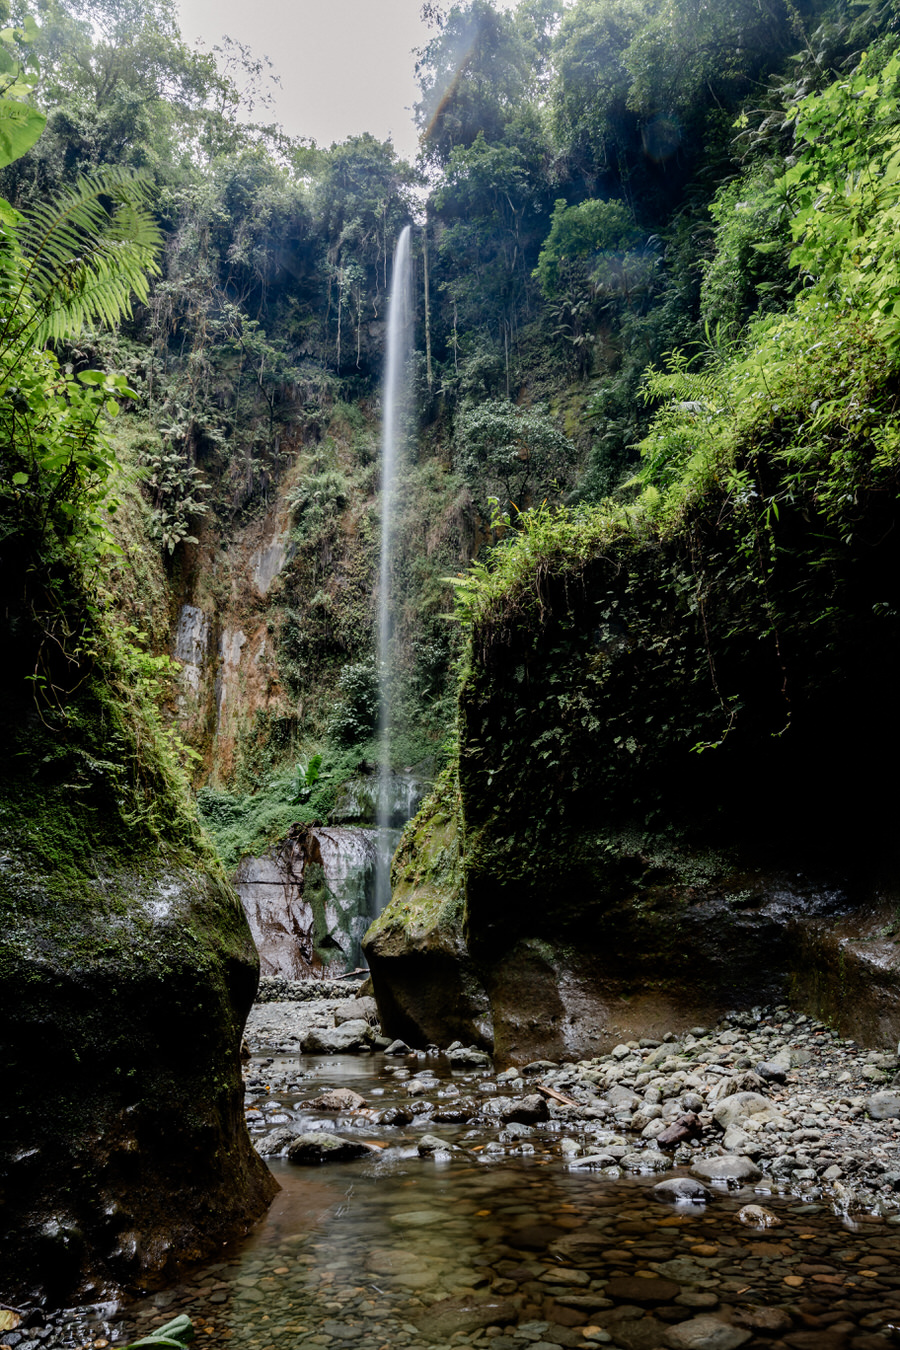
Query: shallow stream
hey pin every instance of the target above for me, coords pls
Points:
(514, 1246)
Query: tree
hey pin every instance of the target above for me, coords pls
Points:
(520, 452)
(473, 75)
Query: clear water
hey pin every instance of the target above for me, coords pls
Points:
(359, 1253)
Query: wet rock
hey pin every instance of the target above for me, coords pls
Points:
(398, 1047)
(757, 1216)
(462, 1315)
(469, 1055)
(352, 1036)
(884, 1105)
(706, 1333)
(772, 1321)
(645, 1161)
(395, 1115)
(337, 1099)
(678, 1189)
(530, 1110)
(430, 1146)
(319, 1147)
(275, 1142)
(635, 1289)
(731, 1167)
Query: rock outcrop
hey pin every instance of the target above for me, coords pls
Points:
(127, 971)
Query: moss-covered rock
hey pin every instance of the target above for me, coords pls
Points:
(658, 732)
(128, 971)
(425, 984)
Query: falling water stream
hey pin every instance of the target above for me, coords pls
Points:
(393, 437)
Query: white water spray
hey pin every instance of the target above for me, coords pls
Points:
(393, 436)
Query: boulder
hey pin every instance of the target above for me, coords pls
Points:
(730, 1167)
(336, 1099)
(430, 1145)
(364, 1009)
(347, 1039)
(884, 1105)
(706, 1333)
(676, 1190)
(275, 1141)
(469, 1056)
(319, 1147)
(738, 1107)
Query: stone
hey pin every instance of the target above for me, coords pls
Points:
(319, 1147)
(706, 1333)
(430, 1144)
(622, 1098)
(451, 1316)
(772, 1321)
(771, 1072)
(528, 1110)
(398, 1048)
(685, 1128)
(365, 1008)
(469, 1055)
(727, 1167)
(337, 1099)
(274, 1142)
(350, 1037)
(678, 1189)
(884, 1105)
(738, 1106)
(645, 1161)
(757, 1216)
(635, 1289)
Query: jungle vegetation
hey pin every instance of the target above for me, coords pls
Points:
(637, 220)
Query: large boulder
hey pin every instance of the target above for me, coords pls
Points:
(426, 987)
(127, 973)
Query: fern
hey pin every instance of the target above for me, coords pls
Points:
(84, 254)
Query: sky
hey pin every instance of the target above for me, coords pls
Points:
(346, 66)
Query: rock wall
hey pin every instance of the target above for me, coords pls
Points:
(309, 899)
(128, 971)
(671, 792)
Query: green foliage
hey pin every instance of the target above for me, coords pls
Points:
(581, 232)
(520, 450)
(355, 717)
(20, 122)
(175, 487)
(177, 1333)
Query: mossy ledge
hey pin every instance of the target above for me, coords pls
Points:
(671, 772)
(128, 972)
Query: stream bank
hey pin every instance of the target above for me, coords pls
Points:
(482, 1210)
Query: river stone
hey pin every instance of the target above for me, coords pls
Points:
(645, 1161)
(772, 1072)
(469, 1055)
(727, 1167)
(884, 1105)
(635, 1289)
(528, 1110)
(623, 1099)
(337, 1040)
(337, 1099)
(451, 1316)
(319, 1147)
(682, 1188)
(738, 1107)
(430, 1144)
(398, 1048)
(365, 1008)
(276, 1141)
(706, 1333)
(757, 1216)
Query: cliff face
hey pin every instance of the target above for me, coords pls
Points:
(671, 784)
(128, 971)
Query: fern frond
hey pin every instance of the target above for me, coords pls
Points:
(87, 251)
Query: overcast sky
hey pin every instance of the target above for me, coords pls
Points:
(346, 66)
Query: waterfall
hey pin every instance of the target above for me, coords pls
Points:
(393, 436)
